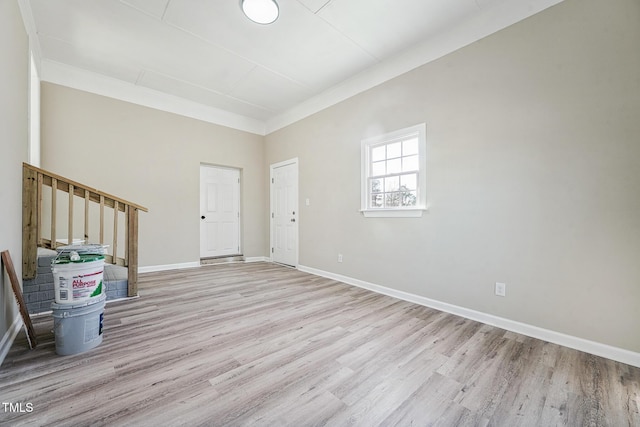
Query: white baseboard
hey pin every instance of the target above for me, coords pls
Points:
(9, 337)
(256, 259)
(592, 347)
(152, 268)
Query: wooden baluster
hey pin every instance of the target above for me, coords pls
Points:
(126, 234)
(54, 208)
(101, 219)
(70, 226)
(132, 238)
(29, 223)
(115, 231)
(86, 216)
(39, 210)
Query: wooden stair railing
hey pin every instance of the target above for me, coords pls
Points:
(34, 179)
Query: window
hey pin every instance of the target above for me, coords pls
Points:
(393, 173)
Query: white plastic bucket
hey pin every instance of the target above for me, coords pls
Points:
(78, 327)
(80, 280)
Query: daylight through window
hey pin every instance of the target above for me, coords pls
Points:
(393, 172)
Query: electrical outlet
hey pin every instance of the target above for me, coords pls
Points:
(307, 202)
(501, 289)
(339, 257)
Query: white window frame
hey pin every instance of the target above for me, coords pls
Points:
(366, 146)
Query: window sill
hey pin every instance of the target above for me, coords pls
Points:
(393, 213)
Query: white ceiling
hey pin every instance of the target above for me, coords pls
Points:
(206, 58)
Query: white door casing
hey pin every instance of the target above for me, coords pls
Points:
(284, 212)
(219, 211)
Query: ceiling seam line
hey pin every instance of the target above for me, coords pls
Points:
(374, 57)
(209, 90)
(242, 57)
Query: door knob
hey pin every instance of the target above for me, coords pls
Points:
(293, 220)
(202, 217)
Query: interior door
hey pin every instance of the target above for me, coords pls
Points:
(219, 211)
(284, 213)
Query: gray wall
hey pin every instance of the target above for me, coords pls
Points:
(533, 141)
(151, 158)
(14, 78)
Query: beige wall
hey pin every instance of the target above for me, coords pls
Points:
(14, 74)
(533, 141)
(151, 158)
(533, 180)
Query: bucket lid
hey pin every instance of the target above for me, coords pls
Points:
(86, 248)
(66, 259)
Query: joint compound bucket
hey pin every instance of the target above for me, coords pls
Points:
(77, 278)
(78, 327)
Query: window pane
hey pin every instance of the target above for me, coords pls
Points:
(376, 186)
(410, 163)
(410, 147)
(409, 182)
(392, 172)
(377, 168)
(392, 200)
(394, 150)
(377, 153)
(409, 198)
(391, 184)
(394, 166)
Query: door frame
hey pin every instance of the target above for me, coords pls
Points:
(240, 210)
(272, 167)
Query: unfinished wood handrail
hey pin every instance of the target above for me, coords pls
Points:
(34, 179)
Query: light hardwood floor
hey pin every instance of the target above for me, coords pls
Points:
(260, 344)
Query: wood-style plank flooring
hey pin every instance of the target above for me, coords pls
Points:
(263, 345)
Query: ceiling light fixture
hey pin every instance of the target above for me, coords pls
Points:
(261, 11)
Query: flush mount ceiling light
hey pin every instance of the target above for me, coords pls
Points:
(261, 11)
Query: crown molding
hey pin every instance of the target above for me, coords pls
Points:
(496, 16)
(76, 78)
(493, 17)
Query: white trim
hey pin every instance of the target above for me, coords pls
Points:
(495, 17)
(30, 28)
(592, 347)
(393, 213)
(76, 78)
(256, 259)
(180, 266)
(34, 112)
(285, 162)
(419, 130)
(183, 265)
(9, 337)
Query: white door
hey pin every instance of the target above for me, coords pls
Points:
(219, 211)
(284, 213)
